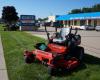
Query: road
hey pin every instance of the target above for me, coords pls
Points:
(90, 39)
(91, 42)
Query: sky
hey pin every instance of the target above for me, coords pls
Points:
(45, 8)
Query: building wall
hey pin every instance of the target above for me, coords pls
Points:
(78, 23)
(51, 18)
(73, 23)
(92, 22)
(98, 22)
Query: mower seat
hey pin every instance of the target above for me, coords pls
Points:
(62, 34)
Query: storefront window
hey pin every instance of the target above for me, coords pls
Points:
(75, 22)
(89, 22)
(95, 23)
(82, 22)
(69, 23)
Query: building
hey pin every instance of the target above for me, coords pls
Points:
(77, 20)
(52, 18)
(27, 22)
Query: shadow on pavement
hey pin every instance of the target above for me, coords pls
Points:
(89, 59)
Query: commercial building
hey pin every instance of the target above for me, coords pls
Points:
(52, 18)
(77, 20)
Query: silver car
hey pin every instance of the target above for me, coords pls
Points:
(97, 28)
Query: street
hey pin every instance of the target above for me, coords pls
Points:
(91, 42)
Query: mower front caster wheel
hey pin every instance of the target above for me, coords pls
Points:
(29, 59)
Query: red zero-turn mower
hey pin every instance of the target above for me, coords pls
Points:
(58, 57)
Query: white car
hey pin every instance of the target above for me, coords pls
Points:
(82, 27)
(97, 28)
(87, 27)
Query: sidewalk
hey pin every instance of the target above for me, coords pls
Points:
(3, 70)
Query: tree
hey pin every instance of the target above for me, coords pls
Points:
(85, 10)
(96, 8)
(9, 16)
(45, 19)
(75, 11)
(42, 19)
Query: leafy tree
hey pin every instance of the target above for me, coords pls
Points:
(75, 11)
(9, 16)
(44, 19)
(40, 19)
(96, 8)
(84, 10)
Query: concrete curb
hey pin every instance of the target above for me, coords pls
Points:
(3, 69)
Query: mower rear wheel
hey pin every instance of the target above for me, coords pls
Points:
(30, 59)
(80, 53)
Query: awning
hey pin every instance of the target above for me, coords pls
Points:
(92, 15)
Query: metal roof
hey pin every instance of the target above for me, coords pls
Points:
(92, 15)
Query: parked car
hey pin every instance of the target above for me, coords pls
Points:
(87, 27)
(97, 28)
(82, 28)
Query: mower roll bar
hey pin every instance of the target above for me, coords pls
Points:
(71, 30)
(71, 36)
(76, 29)
(48, 32)
(56, 32)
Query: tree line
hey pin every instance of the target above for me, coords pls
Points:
(95, 8)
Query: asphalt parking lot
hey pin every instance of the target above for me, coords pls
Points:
(90, 39)
(91, 42)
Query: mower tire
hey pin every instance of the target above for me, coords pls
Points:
(30, 59)
(80, 53)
